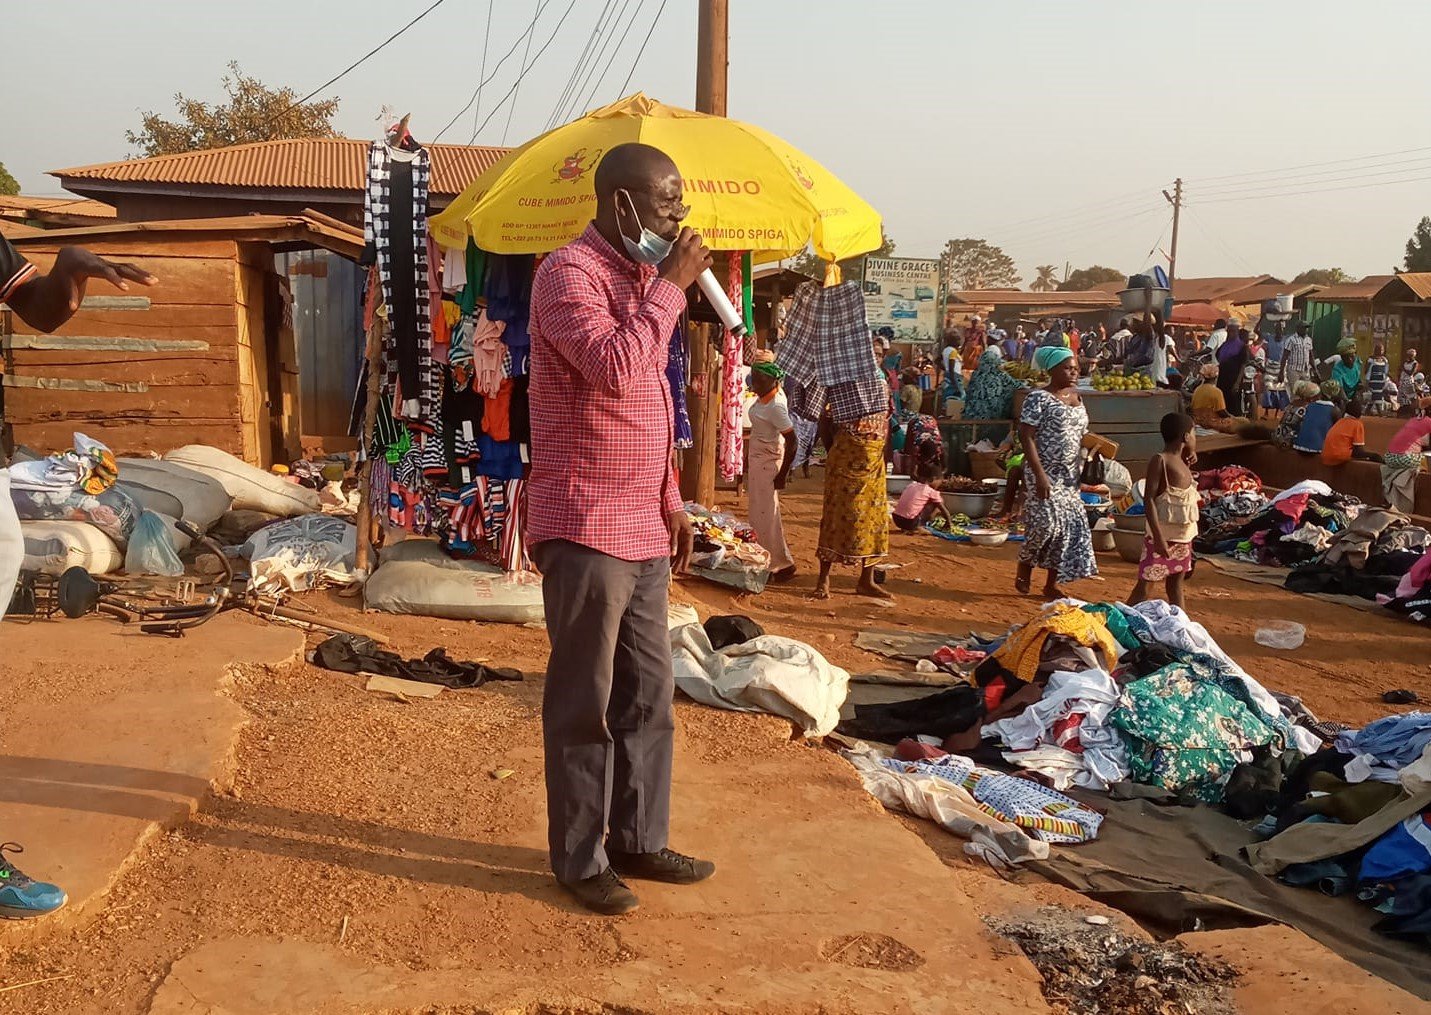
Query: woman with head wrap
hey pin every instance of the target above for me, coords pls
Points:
(1318, 418)
(854, 525)
(991, 395)
(1303, 394)
(1209, 404)
(1232, 357)
(1051, 428)
(1346, 370)
(772, 451)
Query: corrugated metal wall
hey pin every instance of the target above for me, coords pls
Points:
(327, 321)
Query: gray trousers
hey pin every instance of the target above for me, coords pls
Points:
(607, 716)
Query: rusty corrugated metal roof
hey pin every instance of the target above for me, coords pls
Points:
(319, 163)
(1017, 298)
(1216, 289)
(319, 230)
(1419, 282)
(1364, 289)
(59, 205)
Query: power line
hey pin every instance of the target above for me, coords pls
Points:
(642, 51)
(486, 35)
(580, 65)
(1312, 165)
(1135, 216)
(1109, 217)
(486, 80)
(1322, 190)
(619, 43)
(359, 62)
(1255, 189)
(510, 91)
(1079, 210)
(1206, 231)
(1299, 178)
(523, 73)
(602, 46)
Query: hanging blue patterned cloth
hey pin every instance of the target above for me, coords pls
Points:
(676, 376)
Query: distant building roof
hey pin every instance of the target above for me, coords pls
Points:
(1217, 289)
(1266, 291)
(54, 210)
(1362, 290)
(311, 228)
(12, 230)
(303, 164)
(1092, 299)
(1418, 282)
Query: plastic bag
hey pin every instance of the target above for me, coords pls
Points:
(113, 512)
(150, 549)
(1095, 470)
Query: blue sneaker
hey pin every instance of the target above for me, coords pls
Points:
(22, 897)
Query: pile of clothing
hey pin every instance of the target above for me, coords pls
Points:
(1412, 596)
(1291, 529)
(1369, 557)
(1094, 695)
(727, 550)
(1355, 818)
(1229, 497)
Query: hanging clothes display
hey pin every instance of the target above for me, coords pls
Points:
(730, 444)
(677, 370)
(395, 234)
(827, 352)
(449, 441)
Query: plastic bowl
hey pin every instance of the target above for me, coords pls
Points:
(1283, 634)
(987, 537)
(1133, 523)
(1129, 543)
(974, 505)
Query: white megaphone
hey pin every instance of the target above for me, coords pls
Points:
(717, 298)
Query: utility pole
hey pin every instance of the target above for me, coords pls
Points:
(698, 475)
(1176, 200)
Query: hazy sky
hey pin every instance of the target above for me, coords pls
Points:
(1045, 127)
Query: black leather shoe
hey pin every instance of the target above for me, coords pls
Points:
(603, 893)
(667, 865)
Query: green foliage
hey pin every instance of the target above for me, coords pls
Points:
(1322, 276)
(253, 112)
(1086, 278)
(978, 264)
(1418, 248)
(8, 184)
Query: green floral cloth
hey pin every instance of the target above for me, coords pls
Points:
(1183, 733)
(1116, 623)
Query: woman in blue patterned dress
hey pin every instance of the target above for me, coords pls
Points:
(1051, 428)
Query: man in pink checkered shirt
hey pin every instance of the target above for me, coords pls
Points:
(606, 526)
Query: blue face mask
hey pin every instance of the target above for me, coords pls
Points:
(652, 248)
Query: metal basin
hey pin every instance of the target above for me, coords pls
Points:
(975, 505)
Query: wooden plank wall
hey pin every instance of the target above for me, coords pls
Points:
(255, 404)
(170, 394)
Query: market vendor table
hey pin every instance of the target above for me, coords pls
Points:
(1131, 419)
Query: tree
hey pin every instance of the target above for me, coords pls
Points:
(810, 263)
(8, 184)
(1418, 248)
(978, 264)
(1086, 278)
(1322, 276)
(254, 112)
(1047, 279)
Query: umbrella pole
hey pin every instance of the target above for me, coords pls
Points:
(365, 470)
(699, 475)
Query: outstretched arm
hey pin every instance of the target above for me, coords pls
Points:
(45, 302)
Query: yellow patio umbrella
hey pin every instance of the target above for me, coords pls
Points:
(748, 189)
